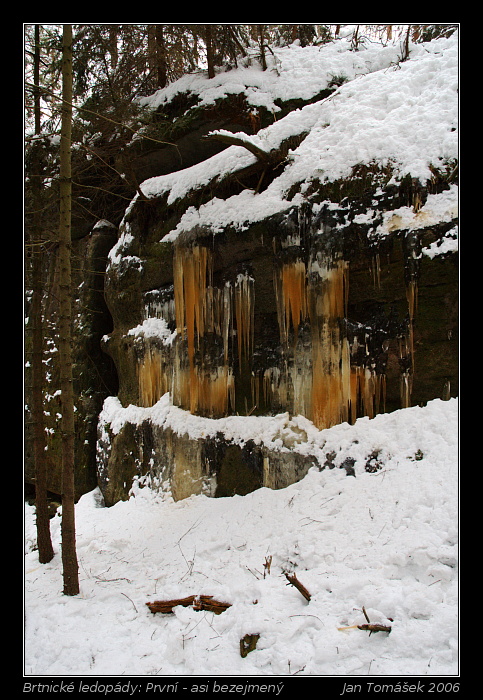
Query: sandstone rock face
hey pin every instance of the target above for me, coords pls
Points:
(307, 312)
(305, 276)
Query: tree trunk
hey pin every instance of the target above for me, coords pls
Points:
(209, 50)
(261, 40)
(161, 58)
(44, 541)
(151, 54)
(113, 50)
(69, 556)
(405, 54)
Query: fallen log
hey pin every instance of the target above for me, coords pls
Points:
(201, 602)
(207, 602)
(166, 606)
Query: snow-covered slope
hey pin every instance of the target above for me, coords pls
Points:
(385, 540)
(402, 115)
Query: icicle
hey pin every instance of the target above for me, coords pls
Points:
(226, 315)
(215, 392)
(331, 379)
(301, 376)
(291, 240)
(417, 202)
(267, 387)
(331, 374)
(406, 389)
(380, 398)
(412, 297)
(412, 265)
(369, 392)
(190, 271)
(345, 398)
(376, 271)
(354, 393)
(320, 381)
(156, 308)
(255, 389)
(244, 313)
(190, 268)
(291, 296)
(275, 387)
(181, 380)
(153, 378)
(200, 309)
(446, 391)
(406, 346)
(208, 392)
(332, 287)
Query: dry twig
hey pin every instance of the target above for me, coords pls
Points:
(368, 627)
(293, 580)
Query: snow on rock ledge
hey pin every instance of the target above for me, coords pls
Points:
(285, 448)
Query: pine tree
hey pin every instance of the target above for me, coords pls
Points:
(161, 59)
(69, 555)
(261, 32)
(208, 36)
(44, 541)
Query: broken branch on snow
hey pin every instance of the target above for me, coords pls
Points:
(236, 140)
(293, 580)
(202, 602)
(368, 627)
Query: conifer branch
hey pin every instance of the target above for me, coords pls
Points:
(96, 114)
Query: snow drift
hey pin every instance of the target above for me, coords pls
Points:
(385, 541)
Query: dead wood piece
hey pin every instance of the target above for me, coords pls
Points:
(207, 602)
(202, 602)
(292, 579)
(370, 627)
(234, 140)
(166, 606)
(248, 644)
(374, 628)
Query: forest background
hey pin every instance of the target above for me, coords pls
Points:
(83, 85)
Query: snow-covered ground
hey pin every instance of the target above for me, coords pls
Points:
(386, 541)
